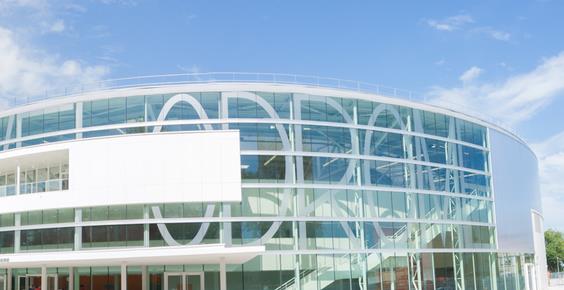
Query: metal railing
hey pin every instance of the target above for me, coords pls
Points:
(253, 77)
(44, 186)
(557, 275)
(556, 279)
(7, 190)
(217, 77)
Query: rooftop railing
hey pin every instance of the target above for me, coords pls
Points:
(250, 77)
(217, 77)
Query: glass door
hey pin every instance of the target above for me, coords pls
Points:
(193, 282)
(22, 283)
(184, 281)
(2, 282)
(174, 281)
(33, 282)
(52, 283)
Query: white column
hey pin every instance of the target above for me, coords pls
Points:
(222, 276)
(78, 119)
(71, 278)
(534, 277)
(18, 181)
(144, 278)
(43, 277)
(78, 229)
(9, 279)
(123, 277)
(526, 275)
(17, 232)
(146, 216)
(18, 129)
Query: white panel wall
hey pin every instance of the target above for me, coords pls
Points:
(149, 168)
(516, 190)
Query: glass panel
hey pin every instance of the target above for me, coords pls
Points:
(444, 271)
(51, 283)
(468, 264)
(116, 111)
(154, 106)
(427, 279)
(483, 271)
(6, 242)
(175, 282)
(474, 158)
(385, 173)
(328, 170)
(279, 101)
(193, 282)
(135, 109)
(99, 113)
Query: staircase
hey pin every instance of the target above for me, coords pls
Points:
(314, 279)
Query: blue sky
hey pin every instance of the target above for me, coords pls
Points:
(504, 59)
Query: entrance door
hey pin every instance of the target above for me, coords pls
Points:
(184, 281)
(193, 282)
(32, 282)
(174, 282)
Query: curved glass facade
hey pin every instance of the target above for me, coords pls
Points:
(344, 193)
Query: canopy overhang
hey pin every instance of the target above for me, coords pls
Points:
(198, 254)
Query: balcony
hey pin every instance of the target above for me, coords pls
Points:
(34, 173)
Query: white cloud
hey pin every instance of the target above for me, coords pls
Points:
(119, 2)
(493, 33)
(58, 26)
(512, 101)
(451, 23)
(500, 35)
(462, 21)
(28, 72)
(55, 26)
(471, 74)
(6, 5)
(440, 62)
(551, 160)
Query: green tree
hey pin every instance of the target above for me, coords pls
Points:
(554, 249)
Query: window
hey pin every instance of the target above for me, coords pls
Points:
(326, 139)
(279, 101)
(112, 236)
(386, 173)
(327, 170)
(58, 238)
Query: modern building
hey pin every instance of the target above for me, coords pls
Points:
(263, 184)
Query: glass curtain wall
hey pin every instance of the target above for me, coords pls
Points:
(344, 193)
